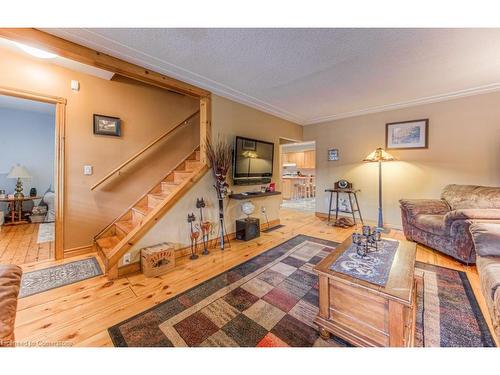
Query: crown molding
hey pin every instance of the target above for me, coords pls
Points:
(179, 73)
(410, 103)
(220, 89)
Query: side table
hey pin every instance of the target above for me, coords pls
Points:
(16, 216)
(353, 198)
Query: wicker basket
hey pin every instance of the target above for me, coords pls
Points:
(37, 218)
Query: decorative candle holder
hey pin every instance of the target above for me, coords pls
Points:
(367, 241)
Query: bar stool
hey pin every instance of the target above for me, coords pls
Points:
(299, 190)
(310, 188)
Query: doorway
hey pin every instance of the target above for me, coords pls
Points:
(30, 177)
(298, 174)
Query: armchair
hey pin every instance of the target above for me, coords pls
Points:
(443, 224)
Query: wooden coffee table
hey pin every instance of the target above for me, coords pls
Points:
(366, 314)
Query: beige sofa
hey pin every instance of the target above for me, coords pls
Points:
(486, 238)
(443, 224)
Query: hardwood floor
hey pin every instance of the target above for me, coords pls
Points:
(18, 245)
(79, 314)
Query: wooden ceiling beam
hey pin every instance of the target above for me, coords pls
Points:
(85, 55)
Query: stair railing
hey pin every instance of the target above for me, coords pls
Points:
(143, 150)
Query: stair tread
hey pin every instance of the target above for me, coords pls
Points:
(143, 208)
(107, 244)
(192, 165)
(184, 173)
(163, 195)
(125, 225)
(173, 183)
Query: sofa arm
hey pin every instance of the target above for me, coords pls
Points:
(473, 214)
(10, 280)
(416, 207)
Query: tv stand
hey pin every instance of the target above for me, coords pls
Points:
(252, 181)
(251, 194)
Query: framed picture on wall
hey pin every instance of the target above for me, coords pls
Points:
(107, 125)
(407, 134)
(333, 154)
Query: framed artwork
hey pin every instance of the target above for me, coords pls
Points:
(106, 125)
(333, 154)
(407, 134)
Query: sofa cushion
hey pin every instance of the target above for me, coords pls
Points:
(486, 238)
(10, 280)
(471, 196)
(489, 274)
(431, 223)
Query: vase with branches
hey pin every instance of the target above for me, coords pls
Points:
(219, 159)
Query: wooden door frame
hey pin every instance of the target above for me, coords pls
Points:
(88, 56)
(60, 125)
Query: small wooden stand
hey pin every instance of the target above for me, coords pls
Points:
(16, 215)
(353, 198)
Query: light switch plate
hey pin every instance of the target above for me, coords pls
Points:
(75, 85)
(127, 258)
(87, 170)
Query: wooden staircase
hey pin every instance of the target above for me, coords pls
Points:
(118, 237)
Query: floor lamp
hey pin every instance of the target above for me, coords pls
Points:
(379, 156)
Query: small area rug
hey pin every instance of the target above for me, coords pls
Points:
(46, 232)
(39, 281)
(272, 300)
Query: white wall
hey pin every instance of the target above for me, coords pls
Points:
(27, 138)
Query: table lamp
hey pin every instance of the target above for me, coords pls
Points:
(18, 171)
(379, 155)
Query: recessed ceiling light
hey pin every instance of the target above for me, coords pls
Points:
(36, 52)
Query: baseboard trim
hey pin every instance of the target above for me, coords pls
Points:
(323, 215)
(76, 251)
(185, 251)
(129, 269)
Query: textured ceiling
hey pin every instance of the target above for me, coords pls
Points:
(313, 75)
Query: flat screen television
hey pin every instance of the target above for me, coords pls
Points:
(252, 161)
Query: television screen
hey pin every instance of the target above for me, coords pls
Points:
(253, 160)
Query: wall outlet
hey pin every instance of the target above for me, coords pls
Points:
(87, 170)
(263, 209)
(127, 258)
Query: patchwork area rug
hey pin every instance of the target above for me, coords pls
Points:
(46, 233)
(272, 300)
(39, 281)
